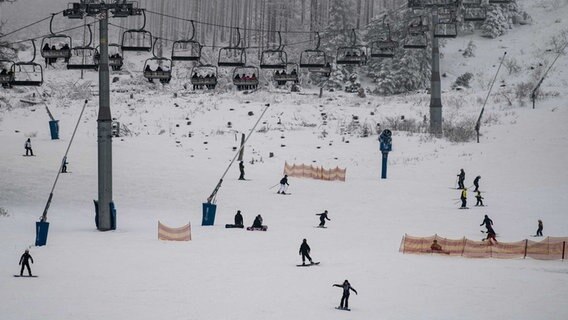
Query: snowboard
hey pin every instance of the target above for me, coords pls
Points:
(284, 194)
(233, 226)
(308, 264)
(323, 227)
(19, 276)
(344, 309)
(28, 155)
(463, 208)
(263, 228)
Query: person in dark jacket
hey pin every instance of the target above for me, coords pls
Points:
(539, 230)
(476, 183)
(488, 224)
(479, 198)
(242, 170)
(28, 146)
(461, 179)
(257, 222)
(305, 252)
(283, 184)
(24, 262)
(345, 297)
(323, 217)
(239, 219)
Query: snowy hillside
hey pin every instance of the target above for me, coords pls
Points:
(180, 143)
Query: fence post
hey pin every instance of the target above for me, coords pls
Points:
(563, 249)
(463, 245)
(526, 245)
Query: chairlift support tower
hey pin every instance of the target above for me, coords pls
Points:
(106, 216)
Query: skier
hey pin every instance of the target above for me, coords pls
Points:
(239, 219)
(461, 178)
(345, 297)
(257, 222)
(323, 216)
(479, 198)
(305, 252)
(539, 230)
(28, 146)
(283, 185)
(476, 183)
(24, 262)
(463, 198)
(488, 224)
(242, 170)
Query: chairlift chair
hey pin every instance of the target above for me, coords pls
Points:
(384, 48)
(415, 4)
(123, 9)
(446, 30)
(187, 50)
(324, 70)
(499, 1)
(232, 56)
(204, 75)
(287, 74)
(74, 11)
(415, 41)
(239, 74)
(83, 57)
(158, 67)
(115, 56)
(353, 54)
(274, 58)
(474, 13)
(27, 73)
(313, 58)
(418, 25)
(50, 43)
(6, 74)
(137, 39)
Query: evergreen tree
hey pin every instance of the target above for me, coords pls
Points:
(409, 69)
(499, 19)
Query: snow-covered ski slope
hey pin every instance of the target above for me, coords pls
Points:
(160, 173)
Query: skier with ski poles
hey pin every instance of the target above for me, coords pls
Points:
(283, 185)
(479, 198)
(463, 198)
(346, 286)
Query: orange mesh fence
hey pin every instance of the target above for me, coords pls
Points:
(550, 248)
(309, 171)
(174, 234)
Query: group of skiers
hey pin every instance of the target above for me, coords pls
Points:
(463, 193)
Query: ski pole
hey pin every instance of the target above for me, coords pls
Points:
(274, 186)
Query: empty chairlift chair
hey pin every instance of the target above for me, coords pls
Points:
(83, 57)
(447, 24)
(385, 47)
(473, 10)
(27, 73)
(315, 60)
(137, 39)
(187, 50)
(274, 58)
(232, 56)
(416, 34)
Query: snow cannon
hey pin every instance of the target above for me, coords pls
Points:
(385, 145)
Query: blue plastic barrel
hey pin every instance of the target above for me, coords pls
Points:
(209, 210)
(41, 233)
(54, 129)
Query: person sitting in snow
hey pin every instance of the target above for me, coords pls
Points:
(257, 222)
(239, 219)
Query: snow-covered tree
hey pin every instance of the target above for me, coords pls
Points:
(409, 69)
(499, 19)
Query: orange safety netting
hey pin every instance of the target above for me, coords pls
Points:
(174, 234)
(550, 248)
(309, 171)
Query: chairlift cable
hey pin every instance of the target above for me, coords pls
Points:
(27, 26)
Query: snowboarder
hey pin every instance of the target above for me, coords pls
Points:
(242, 170)
(461, 179)
(488, 224)
(476, 183)
(24, 262)
(283, 185)
(239, 219)
(305, 252)
(463, 198)
(323, 217)
(539, 230)
(479, 198)
(491, 236)
(344, 305)
(257, 222)
(28, 146)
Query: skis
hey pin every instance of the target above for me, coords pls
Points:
(308, 265)
(19, 276)
(228, 226)
(322, 227)
(463, 208)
